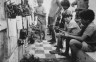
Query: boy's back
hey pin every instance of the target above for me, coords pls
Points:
(90, 31)
(74, 27)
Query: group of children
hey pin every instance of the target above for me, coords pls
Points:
(79, 35)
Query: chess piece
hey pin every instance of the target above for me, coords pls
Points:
(31, 59)
(23, 34)
(31, 40)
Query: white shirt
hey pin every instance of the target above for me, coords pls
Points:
(40, 10)
(54, 8)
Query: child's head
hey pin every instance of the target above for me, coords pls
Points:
(68, 16)
(87, 16)
(40, 2)
(65, 4)
(78, 21)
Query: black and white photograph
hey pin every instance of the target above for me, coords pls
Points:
(47, 30)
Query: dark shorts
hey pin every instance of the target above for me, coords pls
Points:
(51, 21)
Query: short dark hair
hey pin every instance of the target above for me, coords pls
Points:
(65, 3)
(87, 14)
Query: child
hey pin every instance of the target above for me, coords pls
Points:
(81, 5)
(41, 17)
(65, 4)
(86, 41)
(53, 12)
(70, 27)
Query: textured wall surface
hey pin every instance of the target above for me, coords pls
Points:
(3, 48)
(2, 31)
(2, 16)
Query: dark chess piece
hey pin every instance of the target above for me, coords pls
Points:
(31, 39)
(20, 42)
(31, 59)
(24, 60)
(36, 60)
(23, 33)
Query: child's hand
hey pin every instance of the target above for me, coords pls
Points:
(67, 35)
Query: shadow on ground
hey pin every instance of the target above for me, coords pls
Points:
(56, 60)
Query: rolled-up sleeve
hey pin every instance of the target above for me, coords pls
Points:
(89, 31)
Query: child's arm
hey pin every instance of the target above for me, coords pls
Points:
(43, 13)
(73, 28)
(60, 7)
(72, 31)
(88, 32)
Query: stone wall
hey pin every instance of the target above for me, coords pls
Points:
(13, 52)
(3, 48)
(8, 37)
(3, 32)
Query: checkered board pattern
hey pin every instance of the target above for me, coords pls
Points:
(42, 49)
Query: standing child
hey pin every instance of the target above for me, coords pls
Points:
(53, 12)
(41, 17)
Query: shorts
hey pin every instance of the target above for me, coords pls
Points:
(51, 21)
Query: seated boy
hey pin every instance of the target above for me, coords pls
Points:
(86, 41)
(70, 27)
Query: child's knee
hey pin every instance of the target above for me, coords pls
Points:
(76, 43)
(72, 42)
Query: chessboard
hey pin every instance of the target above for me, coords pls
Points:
(41, 50)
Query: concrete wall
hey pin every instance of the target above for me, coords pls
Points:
(2, 16)
(3, 32)
(8, 43)
(13, 52)
(3, 48)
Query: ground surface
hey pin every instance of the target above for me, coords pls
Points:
(41, 50)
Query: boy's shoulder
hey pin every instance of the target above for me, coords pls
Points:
(92, 25)
(73, 23)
